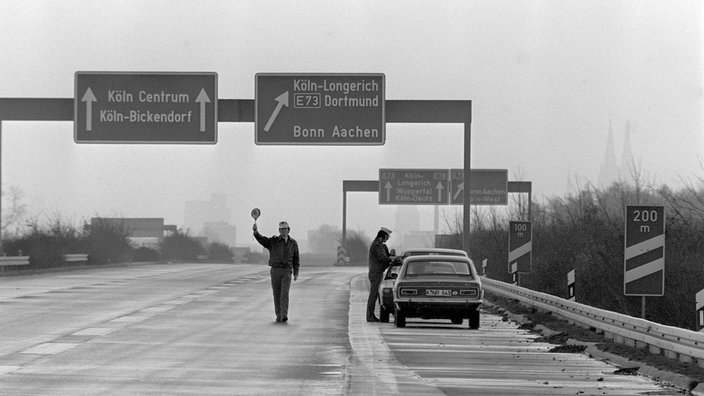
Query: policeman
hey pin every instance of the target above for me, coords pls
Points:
(379, 260)
(284, 262)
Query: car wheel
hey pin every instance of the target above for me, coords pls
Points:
(474, 318)
(399, 318)
(457, 321)
(383, 315)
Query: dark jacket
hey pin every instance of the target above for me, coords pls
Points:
(379, 258)
(282, 254)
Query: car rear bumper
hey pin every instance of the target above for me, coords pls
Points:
(429, 308)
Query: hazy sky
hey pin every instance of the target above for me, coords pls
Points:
(546, 79)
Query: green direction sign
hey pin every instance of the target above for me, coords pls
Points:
(413, 186)
(320, 109)
(145, 107)
(487, 186)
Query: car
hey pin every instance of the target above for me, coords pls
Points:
(438, 287)
(386, 299)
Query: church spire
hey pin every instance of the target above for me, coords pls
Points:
(609, 172)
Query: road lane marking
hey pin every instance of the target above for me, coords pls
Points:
(95, 331)
(50, 348)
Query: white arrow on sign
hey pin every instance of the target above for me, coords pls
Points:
(388, 187)
(439, 187)
(282, 101)
(460, 188)
(202, 99)
(89, 98)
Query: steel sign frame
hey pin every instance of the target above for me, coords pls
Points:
(145, 107)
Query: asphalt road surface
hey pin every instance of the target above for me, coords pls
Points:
(209, 329)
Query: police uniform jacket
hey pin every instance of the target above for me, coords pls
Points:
(379, 258)
(282, 253)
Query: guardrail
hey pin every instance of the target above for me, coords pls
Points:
(76, 258)
(7, 261)
(673, 342)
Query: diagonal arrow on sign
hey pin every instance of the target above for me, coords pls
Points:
(282, 100)
(520, 251)
(460, 188)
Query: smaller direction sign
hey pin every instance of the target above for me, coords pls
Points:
(145, 107)
(520, 246)
(488, 186)
(413, 186)
(644, 256)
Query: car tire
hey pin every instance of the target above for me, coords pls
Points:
(457, 321)
(474, 318)
(399, 318)
(383, 315)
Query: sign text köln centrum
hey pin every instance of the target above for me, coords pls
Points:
(145, 107)
(320, 109)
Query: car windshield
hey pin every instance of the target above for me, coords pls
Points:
(433, 268)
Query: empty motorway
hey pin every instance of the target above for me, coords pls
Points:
(209, 329)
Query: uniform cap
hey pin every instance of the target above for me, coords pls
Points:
(283, 224)
(386, 230)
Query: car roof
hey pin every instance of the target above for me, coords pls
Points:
(437, 257)
(434, 251)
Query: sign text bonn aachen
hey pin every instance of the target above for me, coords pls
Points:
(145, 107)
(320, 109)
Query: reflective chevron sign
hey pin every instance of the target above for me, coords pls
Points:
(520, 246)
(644, 256)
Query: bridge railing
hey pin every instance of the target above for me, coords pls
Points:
(673, 342)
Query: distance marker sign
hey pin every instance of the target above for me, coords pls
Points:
(320, 109)
(644, 256)
(520, 246)
(145, 107)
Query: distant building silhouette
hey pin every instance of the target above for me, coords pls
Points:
(627, 161)
(211, 219)
(609, 172)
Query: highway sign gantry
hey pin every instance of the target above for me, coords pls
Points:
(413, 186)
(644, 251)
(145, 107)
(320, 109)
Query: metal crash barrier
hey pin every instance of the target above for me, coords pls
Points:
(673, 342)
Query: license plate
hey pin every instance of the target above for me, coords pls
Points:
(436, 292)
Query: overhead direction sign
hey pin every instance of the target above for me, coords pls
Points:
(644, 256)
(145, 107)
(413, 186)
(520, 246)
(488, 186)
(320, 109)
